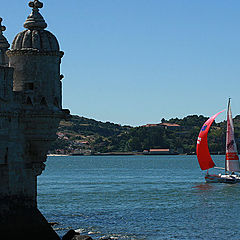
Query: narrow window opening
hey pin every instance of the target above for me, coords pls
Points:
(29, 101)
(6, 156)
(43, 102)
(29, 86)
(56, 102)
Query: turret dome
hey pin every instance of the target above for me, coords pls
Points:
(4, 45)
(41, 40)
(35, 37)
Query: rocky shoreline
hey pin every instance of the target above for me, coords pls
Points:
(73, 235)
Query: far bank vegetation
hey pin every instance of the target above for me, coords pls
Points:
(80, 135)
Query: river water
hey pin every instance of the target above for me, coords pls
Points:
(138, 197)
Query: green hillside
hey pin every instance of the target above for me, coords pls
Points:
(80, 135)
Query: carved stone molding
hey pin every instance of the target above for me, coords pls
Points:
(31, 51)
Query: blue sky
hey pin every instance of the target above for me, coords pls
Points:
(137, 61)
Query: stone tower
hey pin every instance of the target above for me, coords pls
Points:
(30, 111)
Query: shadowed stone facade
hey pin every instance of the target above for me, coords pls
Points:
(30, 111)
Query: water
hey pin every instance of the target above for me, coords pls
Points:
(138, 197)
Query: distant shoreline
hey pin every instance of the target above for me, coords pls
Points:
(115, 154)
(125, 154)
(58, 155)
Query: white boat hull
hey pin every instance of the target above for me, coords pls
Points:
(222, 178)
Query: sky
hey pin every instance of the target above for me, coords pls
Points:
(134, 62)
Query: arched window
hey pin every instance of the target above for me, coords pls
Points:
(6, 156)
(56, 102)
(29, 101)
(43, 102)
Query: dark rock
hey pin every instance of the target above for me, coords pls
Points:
(25, 223)
(70, 235)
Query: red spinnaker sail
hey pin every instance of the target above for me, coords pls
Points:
(203, 154)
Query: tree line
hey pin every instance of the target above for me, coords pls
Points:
(110, 137)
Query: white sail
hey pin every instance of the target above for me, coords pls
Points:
(232, 159)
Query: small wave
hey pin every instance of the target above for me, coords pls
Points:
(90, 231)
(93, 232)
(118, 237)
(80, 230)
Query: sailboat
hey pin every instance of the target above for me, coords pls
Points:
(231, 159)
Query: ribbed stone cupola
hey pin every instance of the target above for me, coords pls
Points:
(6, 75)
(36, 58)
(4, 45)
